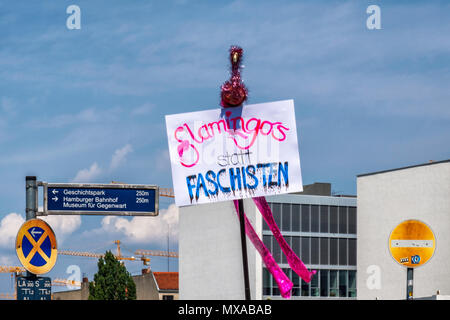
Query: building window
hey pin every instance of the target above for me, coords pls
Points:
(342, 219)
(295, 245)
(267, 240)
(315, 284)
(276, 211)
(333, 251)
(352, 283)
(352, 252)
(305, 218)
(342, 283)
(324, 219)
(342, 251)
(352, 220)
(295, 214)
(324, 283)
(314, 250)
(333, 219)
(296, 290)
(276, 250)
(286, 217)
(288, 240)
(305, 250)
(305, 289)
(334, 289)
(267, 282)
(315, 224)
(324, 250)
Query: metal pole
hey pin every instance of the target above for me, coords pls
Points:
(168, 235)
(31, 206)
(31, 197)
(244, 250)
(409, 283)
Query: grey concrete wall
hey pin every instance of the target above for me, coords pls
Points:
(210, 262)
(146, 287)
(80, 294)
(384, 201)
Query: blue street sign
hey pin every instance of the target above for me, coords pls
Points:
(101, 199)
(34, 288)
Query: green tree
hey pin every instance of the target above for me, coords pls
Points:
(112, 281)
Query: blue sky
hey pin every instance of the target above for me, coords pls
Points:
(88, 105)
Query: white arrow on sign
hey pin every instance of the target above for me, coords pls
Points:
(34, 232)
(55, 198)
(55, 191)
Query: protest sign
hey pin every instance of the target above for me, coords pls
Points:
(234, 153)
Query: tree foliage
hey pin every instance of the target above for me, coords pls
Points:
(112, 281)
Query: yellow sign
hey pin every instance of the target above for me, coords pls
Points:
(36, 246)
(412, 243)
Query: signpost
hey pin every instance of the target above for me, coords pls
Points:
(412, 244)
(34, 288)
(100, 199)
(36, 245)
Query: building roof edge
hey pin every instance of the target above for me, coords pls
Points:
(402, 168)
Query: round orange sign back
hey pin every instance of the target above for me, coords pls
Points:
(412, 243)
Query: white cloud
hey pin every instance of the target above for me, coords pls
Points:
(63, 225)
(87, 175)
(119, 156)
(94, 171)
(141, 110)
(9, 226)
(145, 229)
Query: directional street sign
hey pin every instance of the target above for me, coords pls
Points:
(34, 288)
(412, 243)
(36, 246)
(101, 199)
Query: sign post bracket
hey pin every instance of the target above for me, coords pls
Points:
(31, 203)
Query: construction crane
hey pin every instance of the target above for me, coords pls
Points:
(55, 282)
(100, 255)
(7, 296)
(11, 269)
(119, 256)
(166, 192)
(156, 253)
(65, 282)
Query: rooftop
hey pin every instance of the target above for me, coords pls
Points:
(166, 280)
(431, 162)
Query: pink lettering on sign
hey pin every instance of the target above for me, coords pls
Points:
(238, 127)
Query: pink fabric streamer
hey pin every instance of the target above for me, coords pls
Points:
(294, 262)
(284, 284)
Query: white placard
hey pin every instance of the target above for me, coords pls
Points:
(234, 153)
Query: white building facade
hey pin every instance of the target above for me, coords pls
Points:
(387, 198)
(320, 229)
